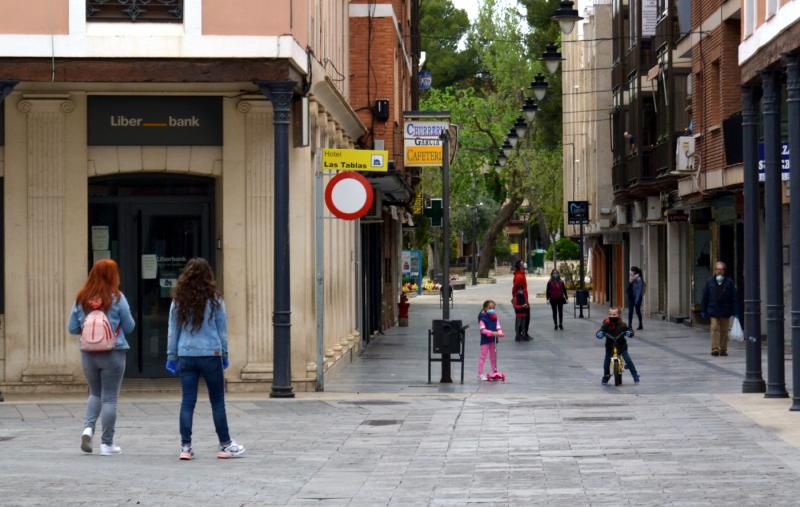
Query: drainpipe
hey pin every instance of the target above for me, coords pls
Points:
(319, 262)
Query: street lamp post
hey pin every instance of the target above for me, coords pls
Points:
(474, 245)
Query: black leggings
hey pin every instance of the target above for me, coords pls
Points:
(638, 309)
(558, 312)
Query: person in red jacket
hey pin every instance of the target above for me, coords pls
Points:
(523, 312)
(520, 281)
(556, 294)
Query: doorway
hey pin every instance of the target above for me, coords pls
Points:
(151, 225)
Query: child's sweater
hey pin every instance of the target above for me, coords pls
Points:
(520, 306)
(487, 325)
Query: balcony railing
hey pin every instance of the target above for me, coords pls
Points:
(156, 11)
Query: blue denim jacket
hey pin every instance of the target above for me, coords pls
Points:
(118, 315)
(210, 340)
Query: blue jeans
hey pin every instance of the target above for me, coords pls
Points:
(190, 370)
(628, 361)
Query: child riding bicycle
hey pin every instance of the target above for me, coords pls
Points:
(613, 327)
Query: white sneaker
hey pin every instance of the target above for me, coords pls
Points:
(483, 377)
(232, 450)
(86, 440)
(109, 450)
(187, 454)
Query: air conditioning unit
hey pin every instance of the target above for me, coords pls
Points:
(684, 155)
(622, 214)
(375, 214)
(654, 207)
(638, 212)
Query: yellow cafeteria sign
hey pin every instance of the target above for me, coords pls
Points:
(423, 156)
(355, 160)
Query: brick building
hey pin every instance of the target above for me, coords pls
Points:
(381, 70)
(711, 184)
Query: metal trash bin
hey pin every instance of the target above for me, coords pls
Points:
(447, 336)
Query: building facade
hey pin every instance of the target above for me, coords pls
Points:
(770, 99)
(586, 107)
(381, 81)
(153, 134)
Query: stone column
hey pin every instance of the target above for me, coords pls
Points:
(753, 381)
(793, 98)
(771, 114)
(259, 203)
(37, 306)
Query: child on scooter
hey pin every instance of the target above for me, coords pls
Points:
(490, 329)
(614, 326)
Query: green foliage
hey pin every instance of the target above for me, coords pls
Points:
(442, 26)
(565, 248)
(485, 108)
(502, 248)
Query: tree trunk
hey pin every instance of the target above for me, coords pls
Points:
(544, 234)
(504, 214)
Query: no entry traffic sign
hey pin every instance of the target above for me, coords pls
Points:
(349, 195)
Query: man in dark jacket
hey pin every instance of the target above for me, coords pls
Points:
(720, 303)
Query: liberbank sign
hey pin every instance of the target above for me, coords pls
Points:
(154, 121)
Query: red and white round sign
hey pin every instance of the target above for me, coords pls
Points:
(349, 195)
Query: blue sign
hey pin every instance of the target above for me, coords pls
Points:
(762, 175)
(425, 80)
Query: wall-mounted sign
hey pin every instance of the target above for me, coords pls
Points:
(422, 146)
(677, 217)
(425, 80)
(349, 195)
(578, 212)
(334, 159)
(649, 17)
(785, 164)
(154, 121)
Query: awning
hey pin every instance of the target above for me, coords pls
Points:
(394, 189)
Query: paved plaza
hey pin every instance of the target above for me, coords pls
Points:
(380, 435)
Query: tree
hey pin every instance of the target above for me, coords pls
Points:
(485, 111)
(442, 27)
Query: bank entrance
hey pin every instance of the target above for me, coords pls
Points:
(151, 224)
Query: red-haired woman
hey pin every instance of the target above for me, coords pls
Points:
(103, 370)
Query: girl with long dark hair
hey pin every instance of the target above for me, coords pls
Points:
(197, 346)
(102, 301)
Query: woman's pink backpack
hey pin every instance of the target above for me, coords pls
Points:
(96, 334)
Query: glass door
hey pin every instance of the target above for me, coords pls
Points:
(166, 237)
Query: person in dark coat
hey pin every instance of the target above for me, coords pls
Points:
(556, 294)
(720, 303)
(635, 291)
